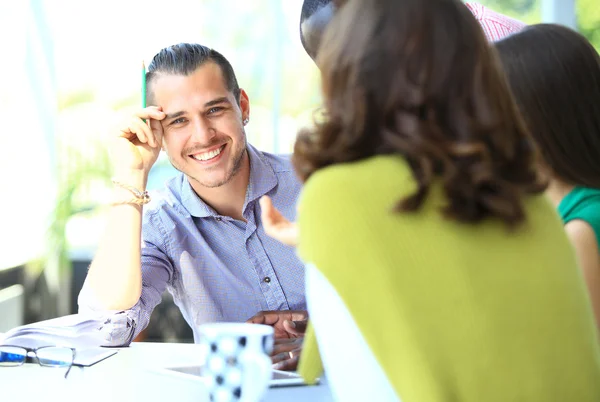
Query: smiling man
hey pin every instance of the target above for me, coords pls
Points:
(201, 237)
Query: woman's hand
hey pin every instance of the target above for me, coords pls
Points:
(276, 225)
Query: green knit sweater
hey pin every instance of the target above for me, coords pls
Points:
(451, 311)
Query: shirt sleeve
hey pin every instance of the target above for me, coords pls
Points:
(121, 327)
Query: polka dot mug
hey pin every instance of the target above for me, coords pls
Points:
(237, 366)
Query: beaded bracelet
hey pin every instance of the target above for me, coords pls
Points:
(141, 198)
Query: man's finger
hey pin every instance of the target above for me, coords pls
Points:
(264, 317)
(279, 357)
(287, 355)
(143, 132)
(286, 345)
(298, 315)
(256, 320)
(297, 328)
(276, 318)
(152, 112)
(287, 365)
(157, 131)
(288, 341)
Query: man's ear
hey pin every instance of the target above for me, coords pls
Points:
(244, 105)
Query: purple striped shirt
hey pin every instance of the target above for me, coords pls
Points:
(217, 268)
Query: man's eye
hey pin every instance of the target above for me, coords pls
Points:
(213, 110)
(178, 121)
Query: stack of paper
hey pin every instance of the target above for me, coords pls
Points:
(76, 331)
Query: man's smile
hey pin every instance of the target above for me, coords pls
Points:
(208, 156)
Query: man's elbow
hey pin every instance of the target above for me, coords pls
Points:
(102, 301)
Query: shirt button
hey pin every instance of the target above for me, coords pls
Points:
(267, 279)
(219, 219)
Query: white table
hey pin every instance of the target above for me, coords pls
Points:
(133, 374)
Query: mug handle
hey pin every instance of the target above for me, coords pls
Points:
(257, 375)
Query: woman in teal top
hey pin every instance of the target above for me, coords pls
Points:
(554, 74)
(582, 203)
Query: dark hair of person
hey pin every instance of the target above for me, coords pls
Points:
(554, 74)
(418, 79)
(314, 17)
(184, 59)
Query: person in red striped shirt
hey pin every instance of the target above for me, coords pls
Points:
(495, 26)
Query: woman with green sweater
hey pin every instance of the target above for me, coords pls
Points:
(436, 268)
(554, 74)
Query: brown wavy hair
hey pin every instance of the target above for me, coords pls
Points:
(554, 75)
(417, 78)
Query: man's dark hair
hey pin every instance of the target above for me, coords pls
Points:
(554, 74)
(184, 59)
(314, 17)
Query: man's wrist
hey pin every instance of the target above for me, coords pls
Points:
(130, 187)
(132, 177)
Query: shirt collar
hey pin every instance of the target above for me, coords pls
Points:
(262, 180)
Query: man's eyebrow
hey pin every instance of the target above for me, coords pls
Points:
(207, 104)
(174, 115)
(216, 101)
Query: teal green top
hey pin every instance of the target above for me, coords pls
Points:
(582, 203)
(451, 311)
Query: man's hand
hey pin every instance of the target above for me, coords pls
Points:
(289, 326)
(286, 353)
(286, 323)
(136, 145)
(276, 225)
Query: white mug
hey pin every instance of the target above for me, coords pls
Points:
(237, 366)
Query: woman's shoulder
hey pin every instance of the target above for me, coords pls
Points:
(580, 210)
(581, 203)
(371, 174)
(346, 200)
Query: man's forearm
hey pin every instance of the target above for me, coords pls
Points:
(115, 275)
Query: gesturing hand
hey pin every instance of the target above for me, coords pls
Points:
(136, 144)
(276, 225)
(286, 323)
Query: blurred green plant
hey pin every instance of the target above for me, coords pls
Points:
(75, 98)
(82, 167)
(76, 177)
(588, 20)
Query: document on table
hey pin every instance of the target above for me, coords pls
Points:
(77, 331)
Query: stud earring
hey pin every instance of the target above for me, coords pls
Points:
(246, 120)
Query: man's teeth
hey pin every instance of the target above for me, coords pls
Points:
(207, 155)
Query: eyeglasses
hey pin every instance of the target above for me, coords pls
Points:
(47, 356)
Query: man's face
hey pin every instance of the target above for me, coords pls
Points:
(203, 132)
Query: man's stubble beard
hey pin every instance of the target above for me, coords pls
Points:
(237, 165)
